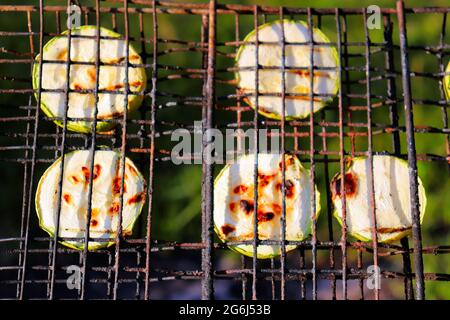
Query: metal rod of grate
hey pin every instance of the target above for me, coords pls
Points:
(31, 148)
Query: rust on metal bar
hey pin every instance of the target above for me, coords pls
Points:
(412, 158)
(207, 166)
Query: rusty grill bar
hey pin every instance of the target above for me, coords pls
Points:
(39, 142)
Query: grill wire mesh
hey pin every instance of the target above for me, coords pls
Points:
(362, 120)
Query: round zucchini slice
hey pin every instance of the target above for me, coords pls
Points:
(83, 77)
(446, 83)
(392, 198)
(105, 206)
(234, 203)
(297, 74)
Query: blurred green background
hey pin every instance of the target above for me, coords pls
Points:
(177, 195)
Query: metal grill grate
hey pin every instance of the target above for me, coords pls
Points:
(34, 266)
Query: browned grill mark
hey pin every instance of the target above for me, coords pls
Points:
(126, 233)
(350, 186)
(240, 189)
(264, 109)
(135, 84)
(116, 185)
(139, 197)
(67, 198)
(115, 114)
(289, 186)
(94, 223)
(117, 60)
(304, 98)
(265, 179)
(62, 55)
(74, 179)
(122, 85)
(307, 73)
(389, 230)
(133, 57)
(246, 206)
(248, 236)
(232, 206)
(227, 229)
(114, 87)
(94, 212)
(92, 75)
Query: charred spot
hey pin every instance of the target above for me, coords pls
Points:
(240, 189)
(139, 197)
(94, 223)
(265, 179)
(350, 185)
(116, 185)
(78, 87)
(265, 216)
(85, 171)
(227, 229)
(246, 206)
(74, 179)
(289, 186)
(289, 161)
(232, 206)
(67, 198)
(97, 171)
(114, 209)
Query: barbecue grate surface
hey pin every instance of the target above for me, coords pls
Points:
(192, 71)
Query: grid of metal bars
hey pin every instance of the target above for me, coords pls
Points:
(139, 137)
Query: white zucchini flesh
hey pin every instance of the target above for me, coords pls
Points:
(105, 197)
(297, 73)
(392, 198)
(234, 203)
(83, 77)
